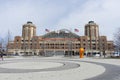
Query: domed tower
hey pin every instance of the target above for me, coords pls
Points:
(28, 30)
(92, 30)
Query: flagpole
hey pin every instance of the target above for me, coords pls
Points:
(44, 46)
(76, 30)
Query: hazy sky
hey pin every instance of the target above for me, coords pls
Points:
(59, 14)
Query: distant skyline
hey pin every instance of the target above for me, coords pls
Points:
(59, 14)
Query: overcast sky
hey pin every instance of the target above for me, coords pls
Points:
(59, 14)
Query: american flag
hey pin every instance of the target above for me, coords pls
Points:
(47, 30)
(76, 30)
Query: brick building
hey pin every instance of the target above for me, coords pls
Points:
(59, 42)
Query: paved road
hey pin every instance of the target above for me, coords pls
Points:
(112, 72)
(66, 66)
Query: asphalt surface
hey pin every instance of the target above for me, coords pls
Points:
(112, 72)
(66, 66)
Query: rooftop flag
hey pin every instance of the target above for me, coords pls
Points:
(47, 30)
(76, 30)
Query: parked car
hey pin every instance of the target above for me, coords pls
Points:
(116, 54)
(97, 55)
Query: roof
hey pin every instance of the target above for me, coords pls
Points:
(63, 33)
(29, 23)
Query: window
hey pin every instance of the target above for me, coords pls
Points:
(17, 40)
(83, 39)
(94, 48)
(93, 40)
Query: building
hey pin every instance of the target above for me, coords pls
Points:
(61, 42)
(28, 31)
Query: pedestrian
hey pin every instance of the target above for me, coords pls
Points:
(1, 54)
(104, 54)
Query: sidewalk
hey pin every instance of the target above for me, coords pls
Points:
(86, 70)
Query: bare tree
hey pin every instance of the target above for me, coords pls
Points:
(117, 39)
